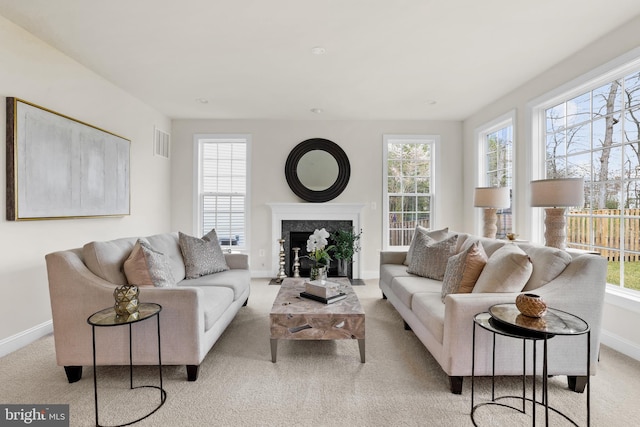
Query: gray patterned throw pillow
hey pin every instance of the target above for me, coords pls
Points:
(430, 257)
(201, 256)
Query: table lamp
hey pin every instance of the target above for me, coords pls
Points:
(555, 195)
(492, 199)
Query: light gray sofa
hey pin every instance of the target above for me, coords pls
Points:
(446, 329)
(194, 313)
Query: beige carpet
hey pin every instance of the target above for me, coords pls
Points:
(314, 383)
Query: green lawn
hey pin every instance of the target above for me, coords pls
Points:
(631, 274)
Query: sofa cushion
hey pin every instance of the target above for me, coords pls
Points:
(106, 259)
(430, 257)
(237, 280)
(167, 243)
(148, 267)
(201, 256)
(389, 271)
(436, 235)
(463, 269)
(507, 270)
(406, 287)
(430, 310)
(547, 263)
(215, 301)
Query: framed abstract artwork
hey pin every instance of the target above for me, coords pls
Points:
(59, 167)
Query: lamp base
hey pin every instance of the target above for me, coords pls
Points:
(555, 234)
(490, 219)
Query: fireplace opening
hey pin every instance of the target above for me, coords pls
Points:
(298, 239)
(296, 232)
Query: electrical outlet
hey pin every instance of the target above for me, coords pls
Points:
(261, 252)
(373, 206)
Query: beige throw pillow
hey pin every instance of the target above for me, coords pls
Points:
(430, 257)
(463, 270)
(475, 262)
(436, 235)
(148, 267)
(507, 270)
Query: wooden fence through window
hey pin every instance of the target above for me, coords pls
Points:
(605, 229)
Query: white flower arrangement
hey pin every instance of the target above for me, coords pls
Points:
(317, 247)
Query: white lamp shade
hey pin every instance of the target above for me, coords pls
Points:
(491, 197)
(564, 192)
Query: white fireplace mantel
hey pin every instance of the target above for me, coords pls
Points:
(310, 212)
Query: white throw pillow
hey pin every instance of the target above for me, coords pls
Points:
(548, 263)
(508, 269)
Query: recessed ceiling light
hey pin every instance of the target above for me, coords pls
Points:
(317, 110)
(318, 50)
(202, 100)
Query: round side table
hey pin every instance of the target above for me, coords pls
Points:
(506, 320)
(108, 318)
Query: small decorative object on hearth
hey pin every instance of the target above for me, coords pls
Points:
(296, 262)
(531, 305)
(512, 236)
(318, 253)
(281, 274)
(126, 305)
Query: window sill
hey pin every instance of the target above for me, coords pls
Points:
(624, 299)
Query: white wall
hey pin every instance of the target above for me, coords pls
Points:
(617, 333)
(35, 72)
(271, 142)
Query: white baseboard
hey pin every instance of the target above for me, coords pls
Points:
(620, 344)
(19, 340)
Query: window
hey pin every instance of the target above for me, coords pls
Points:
(408, 186)
(594, 133)
(496, 164)
(223, 188)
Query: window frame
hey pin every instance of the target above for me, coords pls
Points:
(434, 141)
(536, 121)
(198, 141)
(481, 133)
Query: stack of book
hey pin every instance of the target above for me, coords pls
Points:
(323, 291)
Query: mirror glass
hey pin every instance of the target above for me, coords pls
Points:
(317, 170)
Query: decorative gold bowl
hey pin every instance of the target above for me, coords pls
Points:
(512, 236)
(531, 305)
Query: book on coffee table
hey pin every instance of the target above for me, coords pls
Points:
(329, 300)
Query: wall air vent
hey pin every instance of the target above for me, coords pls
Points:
(160, 143)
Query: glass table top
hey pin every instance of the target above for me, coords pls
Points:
(506, 318)
(108, 317)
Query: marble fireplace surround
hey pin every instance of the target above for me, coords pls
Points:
(313, 212)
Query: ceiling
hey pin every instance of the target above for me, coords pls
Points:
(253, 59)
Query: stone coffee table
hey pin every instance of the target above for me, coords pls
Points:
(293, 317)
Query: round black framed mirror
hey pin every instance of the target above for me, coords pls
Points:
(317, 170)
